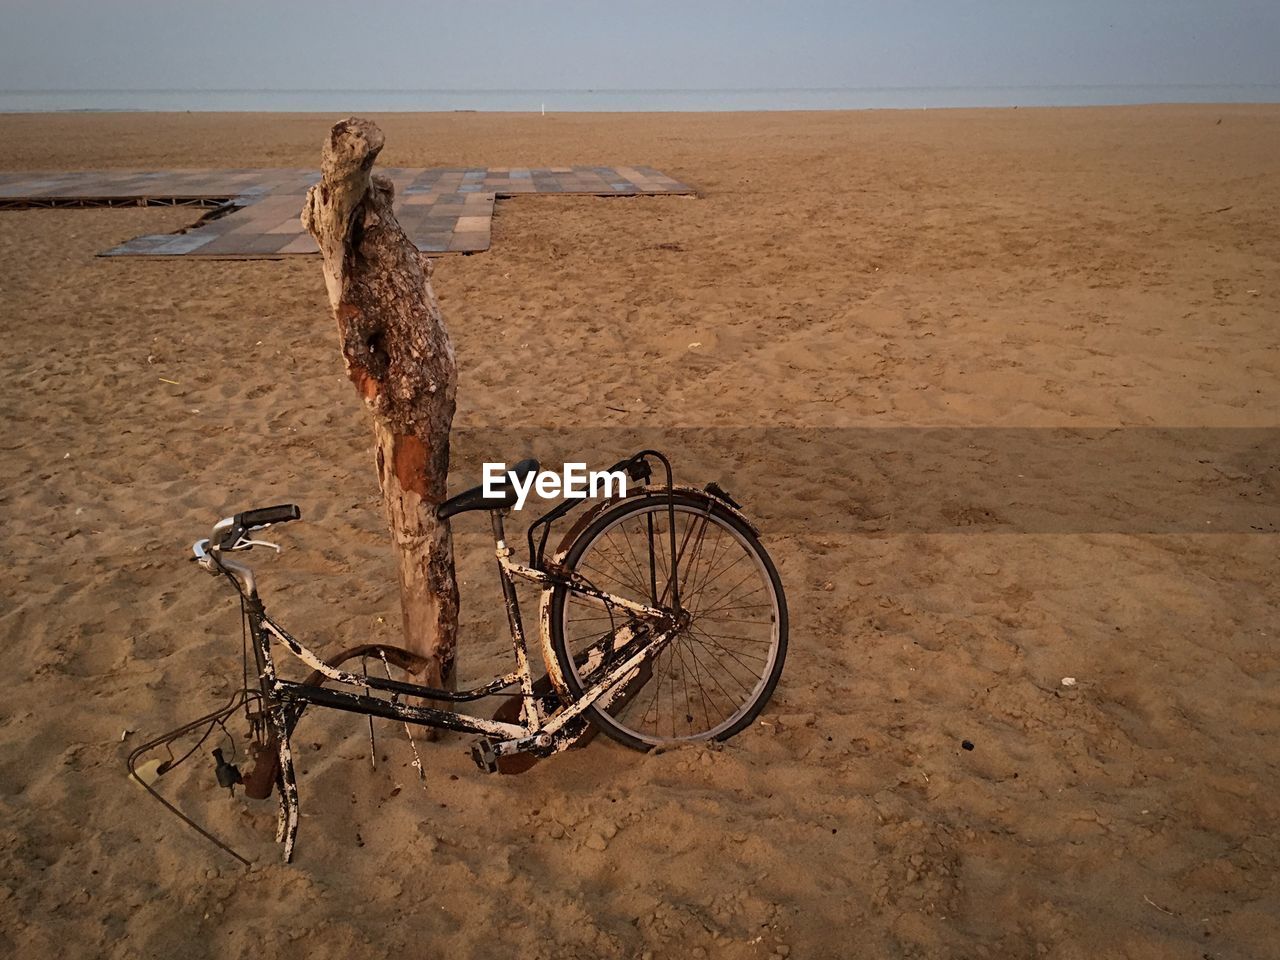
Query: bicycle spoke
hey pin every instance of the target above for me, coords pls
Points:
(726, 693)
(743, 597)
(706, 714)
(749, 575)
(702, 670)
(708, 644)
(672, 699)
(731, 636)
(642, 568)
(735, 655)
(698, 684)
(708, 603)
(621, 563)
(700, 588)
(657, 690)
(621, 583)
(624, 568)
(697, 552)
(661, 537)
(632, 565)
(748, 606)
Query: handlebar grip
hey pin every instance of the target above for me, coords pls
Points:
(263, 516)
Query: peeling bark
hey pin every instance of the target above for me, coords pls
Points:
(400, 360)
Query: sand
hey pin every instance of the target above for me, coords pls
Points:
(1000, 386)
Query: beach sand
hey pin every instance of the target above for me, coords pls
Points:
(999, 386)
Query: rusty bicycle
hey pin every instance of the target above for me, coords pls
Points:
(662, 619)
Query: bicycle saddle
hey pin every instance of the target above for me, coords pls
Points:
(474, 499)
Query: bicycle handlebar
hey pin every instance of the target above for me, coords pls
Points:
(265, 516)
(232, 533)
(230, 530)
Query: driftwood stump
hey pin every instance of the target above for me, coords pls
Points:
(399, 357)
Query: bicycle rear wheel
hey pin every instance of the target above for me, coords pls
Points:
(718, 673)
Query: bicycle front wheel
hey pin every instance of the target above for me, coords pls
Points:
(718, 673)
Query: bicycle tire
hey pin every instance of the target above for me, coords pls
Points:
(688, 503)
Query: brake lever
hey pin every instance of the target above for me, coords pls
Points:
(247, 544)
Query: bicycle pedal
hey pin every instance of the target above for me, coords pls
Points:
(485, 757)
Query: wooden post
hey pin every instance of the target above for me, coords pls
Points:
(399, 357)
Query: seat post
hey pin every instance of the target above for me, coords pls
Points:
(528, 711)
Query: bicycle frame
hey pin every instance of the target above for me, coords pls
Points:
(549, 723)
(612, 669)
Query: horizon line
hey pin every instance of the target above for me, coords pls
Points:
(855, 89)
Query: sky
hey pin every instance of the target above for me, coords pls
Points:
(638, 44)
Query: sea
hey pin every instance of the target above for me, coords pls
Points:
(577, 101)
